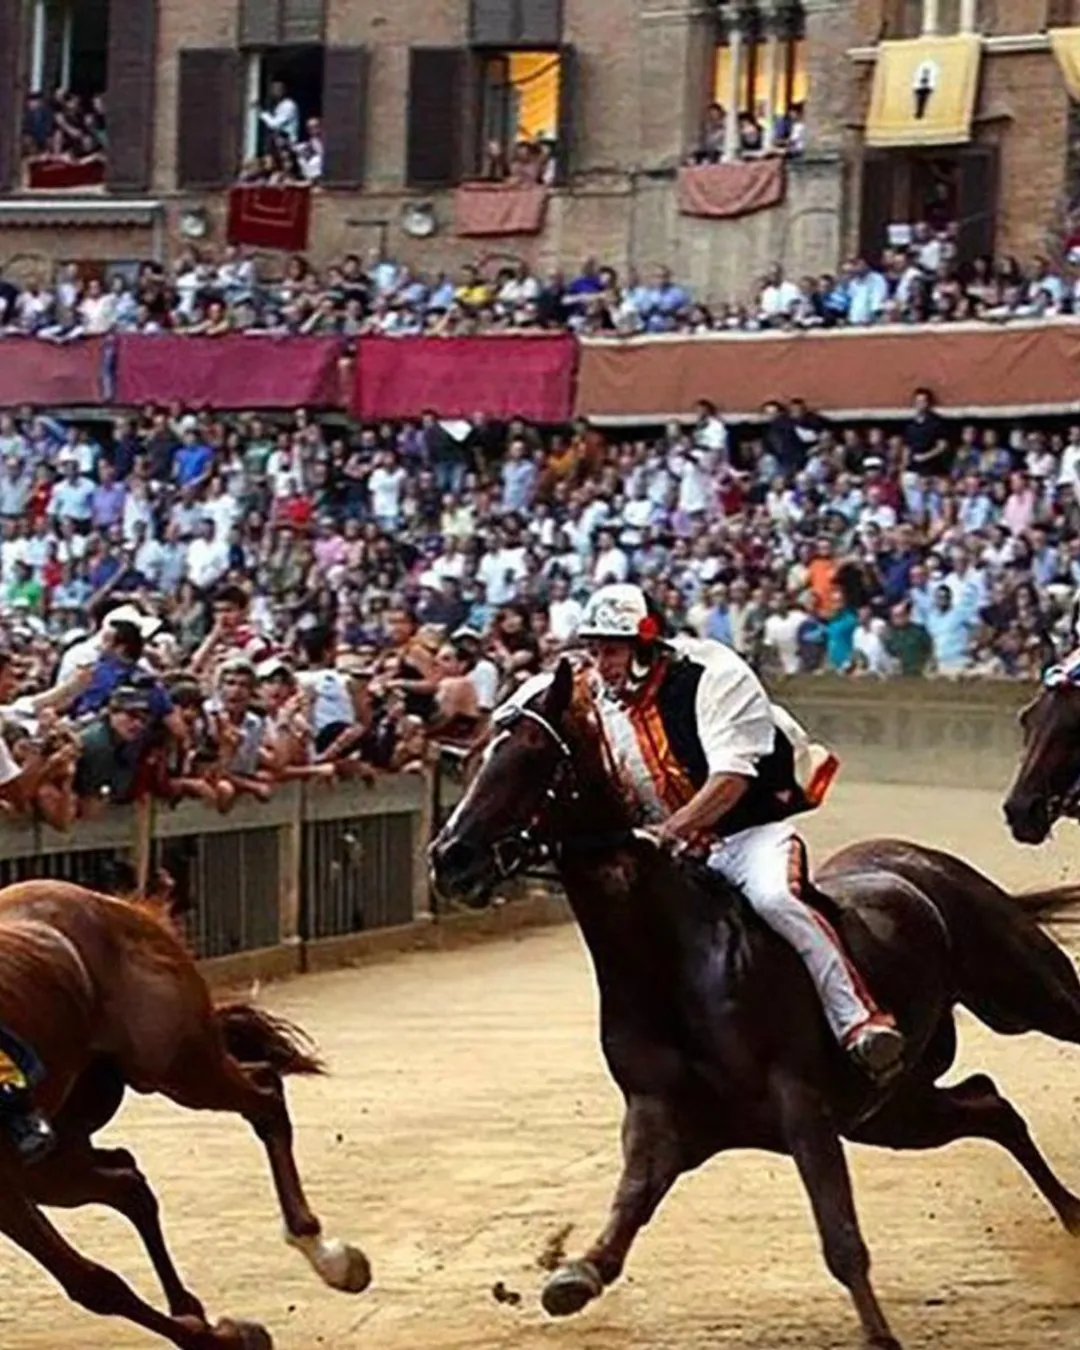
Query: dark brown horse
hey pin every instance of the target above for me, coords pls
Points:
(710, 1024)
(110, 998)
(1047, 783)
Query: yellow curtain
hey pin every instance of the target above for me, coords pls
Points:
(924, 91)
(756, 100)
(535, 78)
(1066, 45)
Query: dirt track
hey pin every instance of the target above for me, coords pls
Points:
(470, 1117)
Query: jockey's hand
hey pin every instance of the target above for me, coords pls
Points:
(665, 840)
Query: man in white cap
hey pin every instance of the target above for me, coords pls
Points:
(714, 763)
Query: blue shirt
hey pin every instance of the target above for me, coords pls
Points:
(840, 638)
(866, 298)
(191, 462)
(718, 627)
(111, 671)
(949, 631)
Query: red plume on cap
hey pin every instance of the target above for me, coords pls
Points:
(648, 630)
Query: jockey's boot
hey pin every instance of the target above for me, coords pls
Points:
(31, 1132)
(878, 1049)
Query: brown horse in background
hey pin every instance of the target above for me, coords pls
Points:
(109, 996)
(708, 1021)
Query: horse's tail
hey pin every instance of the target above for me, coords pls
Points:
(253, 1036)
(1044, 904)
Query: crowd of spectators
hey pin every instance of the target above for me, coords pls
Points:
(201, 607)
(64, 128)
(210, 293)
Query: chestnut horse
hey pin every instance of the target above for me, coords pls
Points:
(709, 1022)
(108, 995)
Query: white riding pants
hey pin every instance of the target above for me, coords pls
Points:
(765, 862)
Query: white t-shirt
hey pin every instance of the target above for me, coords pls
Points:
(385, 486)
(332, 700)
(9, 770)
(485, 680)
(782, 635)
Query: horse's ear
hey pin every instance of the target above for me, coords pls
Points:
(558, 697)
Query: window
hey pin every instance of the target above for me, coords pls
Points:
(519, 116)
(757, 103)
(63, 125)
(498, 114)
(294, 74)
(289, 114)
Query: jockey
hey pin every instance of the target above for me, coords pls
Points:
(25, 1126)
(714, 762)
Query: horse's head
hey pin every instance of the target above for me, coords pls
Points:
(1047, 784)
(526, 782)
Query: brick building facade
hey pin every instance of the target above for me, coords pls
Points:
(406, 95)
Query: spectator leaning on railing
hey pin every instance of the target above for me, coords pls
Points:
(212, 295)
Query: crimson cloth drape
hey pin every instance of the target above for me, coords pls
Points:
(270, 217)
(505, 377)
(229, 372)
(50, 374)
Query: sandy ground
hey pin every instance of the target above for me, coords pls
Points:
(470, 1117)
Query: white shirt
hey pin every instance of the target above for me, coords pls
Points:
(734, 718)
(564, 618)
(207, 562)
(285, 118)
(332, 701)
(385, 486)
(501, 571)
(781, 633)
(485, 680)
(779, 300)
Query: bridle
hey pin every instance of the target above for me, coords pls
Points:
(524, 849)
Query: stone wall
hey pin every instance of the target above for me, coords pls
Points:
(918, 731)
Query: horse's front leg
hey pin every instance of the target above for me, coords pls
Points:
(653, 1157)
(814, 1142)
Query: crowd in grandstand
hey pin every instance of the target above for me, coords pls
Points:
(199, 606)
(213, 294)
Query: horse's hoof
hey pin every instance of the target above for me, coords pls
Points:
(884, 1343)
(357, 1272)
(1069, 1214)
(571, 1288)
(244, 1335)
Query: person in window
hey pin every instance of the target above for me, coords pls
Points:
(751, 137)
(282, 118)
(309, 152)
(38, 124)
(711, 148)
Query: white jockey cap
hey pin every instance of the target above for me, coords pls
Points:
(616, 611)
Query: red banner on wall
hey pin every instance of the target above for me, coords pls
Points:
(270, 217)
(504, 377)
(229, 372)
(50, 374)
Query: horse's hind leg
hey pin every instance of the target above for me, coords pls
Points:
(211, 1080)
(819, 1155)
(78, 1174)
(100, 1290)
(974, 1109)
(652, 1158)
